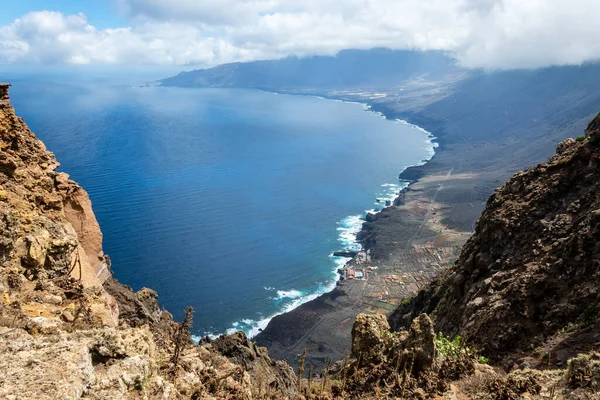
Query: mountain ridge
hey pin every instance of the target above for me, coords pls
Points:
(349, 68)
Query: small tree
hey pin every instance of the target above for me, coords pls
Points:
(182, 336)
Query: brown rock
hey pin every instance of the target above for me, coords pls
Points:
(37, 246)
(369, 342)
(149, 300)
(68, 316)
(420, 344)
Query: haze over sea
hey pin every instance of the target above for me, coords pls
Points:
(227, 200)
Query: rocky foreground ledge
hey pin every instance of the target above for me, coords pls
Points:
(69, 330)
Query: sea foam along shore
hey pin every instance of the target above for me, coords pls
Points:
(348, 229)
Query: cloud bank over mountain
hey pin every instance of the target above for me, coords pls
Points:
(492, 34)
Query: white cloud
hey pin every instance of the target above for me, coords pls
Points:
(533, 33)
(51, 37)
(480, 33)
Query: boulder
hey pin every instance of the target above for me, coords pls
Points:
(369, 338)
(420, 344)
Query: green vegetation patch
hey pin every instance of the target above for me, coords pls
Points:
(457, 349)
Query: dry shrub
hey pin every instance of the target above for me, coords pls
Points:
(584, 371)
(513, 387)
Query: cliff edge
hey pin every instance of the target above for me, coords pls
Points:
(50, 239)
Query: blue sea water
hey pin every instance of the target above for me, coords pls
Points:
(227, 200)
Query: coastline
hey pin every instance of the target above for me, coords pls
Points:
(422, 233)
(329, 289)
(253, 328)
(286, 329)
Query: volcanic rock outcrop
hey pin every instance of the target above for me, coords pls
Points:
(50, 241)
(529, 278)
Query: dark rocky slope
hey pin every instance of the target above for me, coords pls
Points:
(530, 275)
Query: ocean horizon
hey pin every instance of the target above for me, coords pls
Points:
(228, 200)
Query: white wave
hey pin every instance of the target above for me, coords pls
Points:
(291, 299)
(348, 228)
(389, 193)
(212, 335)
(338, 261)
(269, 288)
(288, 294)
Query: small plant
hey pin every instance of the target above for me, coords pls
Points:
(405, 301)
(457, 349)
(301, 370)
(310, 372)
(570, 327)
(182, 337)
(482, 359)
(580, 139)
(325, 373)
(537, 352)
(344, 372)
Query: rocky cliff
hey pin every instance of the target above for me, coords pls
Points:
(528, 280)
(50, 238)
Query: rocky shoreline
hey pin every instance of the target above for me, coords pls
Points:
(313, 324)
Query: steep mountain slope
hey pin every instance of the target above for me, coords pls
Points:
(492, 125)
(529, 277)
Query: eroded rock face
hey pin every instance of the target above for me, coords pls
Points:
(374, 344)
(531, 268)
(420, 344)
(271, 375)
(49, 235)
(370, 338)
(584, 371)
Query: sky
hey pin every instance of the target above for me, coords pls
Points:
(489, 34)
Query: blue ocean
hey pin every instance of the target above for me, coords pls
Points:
(228, 200)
